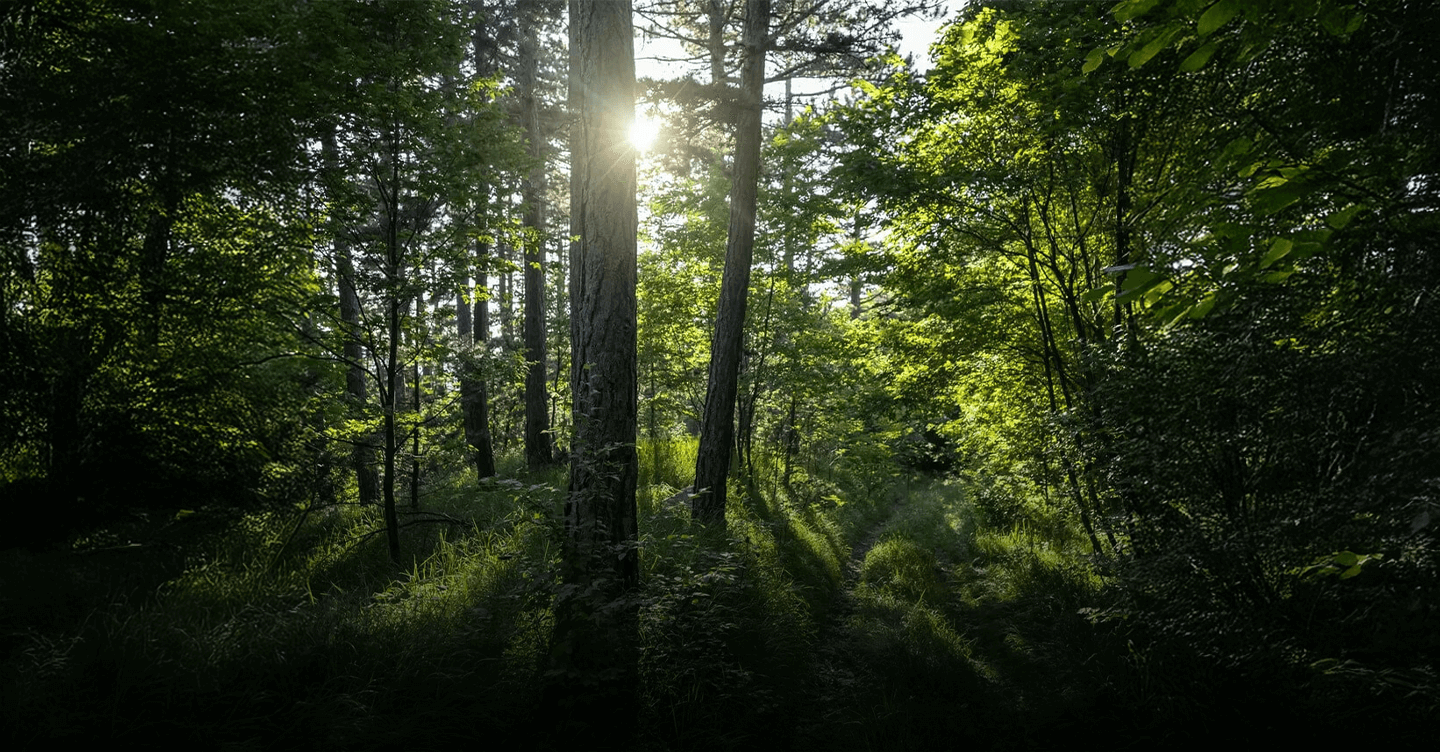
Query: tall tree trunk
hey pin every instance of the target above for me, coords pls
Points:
(596, 621)
(538, 450)
(506, 300)
(717, 429)
(393, 370)
(362, 458)
(155, 251)
(474, 393)
(474, 398)
(416, 400)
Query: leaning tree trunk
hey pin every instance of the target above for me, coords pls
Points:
(594, 645)
(717, 429)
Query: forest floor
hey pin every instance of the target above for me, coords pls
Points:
(835, 672)
(940, 636)
(917, 628)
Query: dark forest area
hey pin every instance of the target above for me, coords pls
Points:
(705, 375)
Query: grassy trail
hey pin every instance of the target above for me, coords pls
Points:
(944, 634)
(835, 673)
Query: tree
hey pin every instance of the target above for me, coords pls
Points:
(418, 151)
(539, 450)
(717, 428)
(1179, 287)
(595, 621)
(809, 36)
(362, 456)
(156, 264)
(473, 330)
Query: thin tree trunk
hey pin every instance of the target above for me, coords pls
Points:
(539, 452)
(715, 18)
(415, 403)
(712, 463)
(1124, 180)
(1050, 353)
(506, 300)
(390, 394)
(362, 458)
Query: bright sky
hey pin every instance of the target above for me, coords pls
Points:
(916, 36)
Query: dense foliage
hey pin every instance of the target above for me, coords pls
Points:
(1086, 386)
(1195, 308)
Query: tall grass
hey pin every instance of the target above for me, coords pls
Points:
(295, 630)
(859, 597)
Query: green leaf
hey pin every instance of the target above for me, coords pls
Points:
(1157, 291)
(1098, 294)
(1279, 249)
(1237, 148)
(1216, 16)
(1093, 60)
(1203, 308)
(1340, 219)
(1351, 572)
(1279, 194)
(1143, 55)
(1334, 21)
(1139, 280)
(1197, 59)
(1128, 9)
(1347, 558)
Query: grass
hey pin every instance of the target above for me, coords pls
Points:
(861, 611)
(300, 631)
(295, 630)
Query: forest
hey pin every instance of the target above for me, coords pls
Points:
(707, 375)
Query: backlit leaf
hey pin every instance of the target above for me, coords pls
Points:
(1216, 16)
(1093, 60)
(1143, 55)
(1128, 9)
(1197, 59)
(1340, 219)
(1278, 250)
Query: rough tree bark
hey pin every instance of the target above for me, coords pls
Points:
(593, 650)
(717, 431)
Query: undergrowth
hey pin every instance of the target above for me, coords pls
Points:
(860, 610)
(294, 630)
